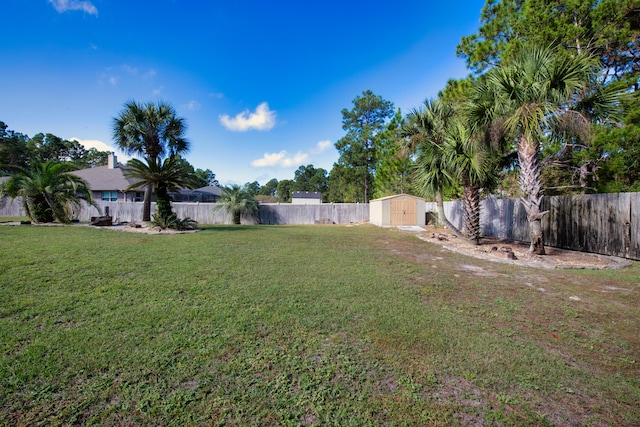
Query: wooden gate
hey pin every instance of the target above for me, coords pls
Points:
(403, 212)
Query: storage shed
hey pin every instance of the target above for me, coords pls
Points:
(401, 209)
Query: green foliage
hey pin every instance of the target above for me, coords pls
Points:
(606, 29)
(619, 149)
(204, 178)
(253, 188)
(359, 147)
(310, 178)
(48, 191)
(270, 188)
(18, 150)
(533, 95)
(172, 221)
(162, 176)
(587, 160)
(344, 185)
(152, 131)
(426, 130)
(284, 190)
(237, 201)
(13, 149)
(394, 165)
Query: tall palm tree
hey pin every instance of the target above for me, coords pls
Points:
(152, 131)
(162, 176)
(531, 92)
(470, 162)
(48, 191)
(237, 201)
(425, 131)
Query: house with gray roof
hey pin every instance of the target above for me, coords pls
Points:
(108, 183)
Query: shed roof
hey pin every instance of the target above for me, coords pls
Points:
(397, 195)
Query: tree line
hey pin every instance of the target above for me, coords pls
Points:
(550, 107)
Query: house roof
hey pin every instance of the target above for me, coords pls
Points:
(212, 189)
(103, 178)
(306, 195)
(397, 195)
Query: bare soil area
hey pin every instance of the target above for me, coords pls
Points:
(496, 250)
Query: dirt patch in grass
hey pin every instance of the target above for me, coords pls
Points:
(517, 253)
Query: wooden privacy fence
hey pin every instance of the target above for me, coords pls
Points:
(607, 224)
(203, 213)
(326, 213)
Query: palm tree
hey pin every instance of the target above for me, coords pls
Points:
(470, 162)
(48, 191)
(531, 92)
(425, 131)
(237, 201)
(161, 176)
(152, 131)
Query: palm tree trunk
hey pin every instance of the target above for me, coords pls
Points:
(471, 203)
(146, 204)
(236, 217)
(163, 201)
(531, 192)
(443, 217)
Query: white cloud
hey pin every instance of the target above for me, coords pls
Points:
(68, 5)
(281, 159)
(261, 119)
(150, 74)
(101, 146)
(285, 160)
(157, 91)
(217, 95)
(321, 146)
(192, 105)
(113, 80)
(130, 70)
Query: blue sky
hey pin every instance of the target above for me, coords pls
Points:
(260, 84)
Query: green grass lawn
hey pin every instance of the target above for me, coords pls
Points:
(305, 325)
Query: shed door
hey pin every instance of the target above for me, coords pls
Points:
(403, 212)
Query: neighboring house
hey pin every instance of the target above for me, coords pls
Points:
(108, 183)
(306, 198)
(208, 194)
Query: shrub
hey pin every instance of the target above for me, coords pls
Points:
(172, 221)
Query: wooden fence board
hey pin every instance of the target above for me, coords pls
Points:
(633, 227)
(607, 224)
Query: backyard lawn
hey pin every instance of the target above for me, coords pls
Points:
(305, 325)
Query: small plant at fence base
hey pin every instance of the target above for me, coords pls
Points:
(173, 222)
(238, 201)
